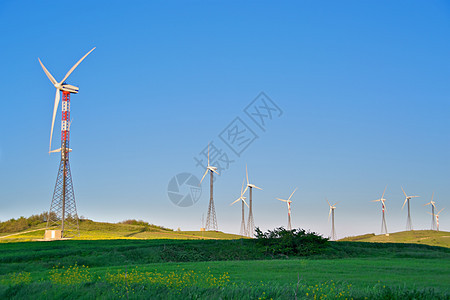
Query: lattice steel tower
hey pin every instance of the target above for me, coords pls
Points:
(211, 220)
(63, 210)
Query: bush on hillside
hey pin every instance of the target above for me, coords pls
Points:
(296, 242)
(146, 225)
(22, 223)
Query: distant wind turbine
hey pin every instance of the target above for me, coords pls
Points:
(331, 213)
(250, 222)
(437, 218)
(408, 221)
(383, 207)
(288, 202)
(433, 206)
(242, 199)
(211, 220)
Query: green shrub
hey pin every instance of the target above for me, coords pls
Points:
(297, 242)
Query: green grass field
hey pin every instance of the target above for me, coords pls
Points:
(425, 237)
(227, 269)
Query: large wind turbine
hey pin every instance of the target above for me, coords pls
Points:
(63, 211)
(250, 222)
(333, 231)
(211, 220)
(433, 220)
(288, 202)
(408, 221)
(383, 207)
(242, 199)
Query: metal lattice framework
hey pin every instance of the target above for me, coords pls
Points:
(333, 230)
(211, 220)
(409, 226)
(251, 221)
(289, 226)
(433, 219)
(383, 222)
(63, 210)
(243, 231)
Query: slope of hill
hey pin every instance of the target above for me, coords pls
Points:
(426, 237)
(91, 230)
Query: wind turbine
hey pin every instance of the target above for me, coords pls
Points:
(333, 231)
(383, 220)
(242, 199)
(61, 86)
(250, 222)
(211, 220)
(433, 206)
(63, 211)
(408, 221)
(437, 218)
(288, 202)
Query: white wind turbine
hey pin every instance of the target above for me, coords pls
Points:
(250, 222)
(242, 199)
(433, 206)
(383, 220)
(408, 221)
(61, 86)
(288, 202)
(211, 220)
(333, 231)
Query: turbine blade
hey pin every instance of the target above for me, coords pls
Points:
(384, 192)
(215, 172)
(246, 173)
(329, 214)
(281, 199)
(52, 79)
(327, 201)
(440, 211)
(235, 201)
(76, 65)
(414, 196)
(204, 176)
(245, 190)
(55, 109)
(336, 203)
(375, 200)
(242, 188)
(257, 188)
(292, 194)
(404, 203)
(245, 203)
(404, 192)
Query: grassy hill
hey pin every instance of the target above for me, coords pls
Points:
(425, 237)
(91, 230)
(213, 269)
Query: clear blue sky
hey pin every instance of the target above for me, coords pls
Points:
(363, 86)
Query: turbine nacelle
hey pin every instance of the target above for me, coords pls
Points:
(68, 88)
(213, 169)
